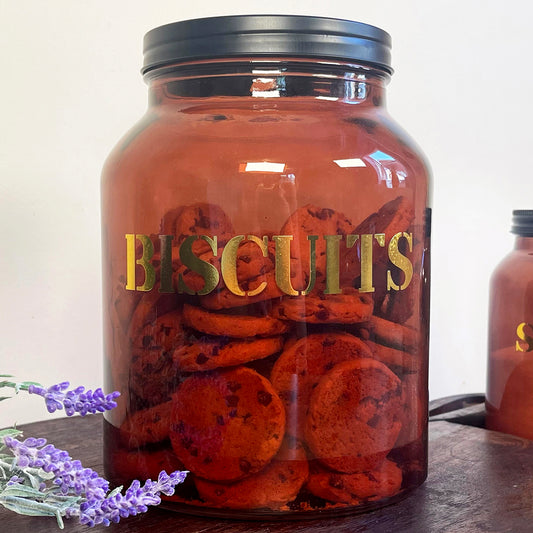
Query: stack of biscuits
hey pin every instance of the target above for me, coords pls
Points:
(275, 402)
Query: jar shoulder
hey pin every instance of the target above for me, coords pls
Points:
(341, 133)
(515, 268)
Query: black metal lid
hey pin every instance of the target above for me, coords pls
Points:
(266, 36)
(523, 222)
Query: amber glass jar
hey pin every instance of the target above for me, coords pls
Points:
(266, 284)
(509, 398)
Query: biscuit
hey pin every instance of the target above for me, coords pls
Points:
(226, 425)
(152, 305)
(354, 416)
(153, 372)
(393, 217)
(354, 489)
(272, 488)
(251, 267)
(391, 334)
(393, 357)
(414, 408)
(299, 368)
(143, 464)
(350, 307)
(313, 220)
(208, 353)
(146, 426)
(225, 299)
(197, 219)
(231, 325)
(400, 305)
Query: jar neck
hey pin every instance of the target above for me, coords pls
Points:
(268, 79)
(523, 243)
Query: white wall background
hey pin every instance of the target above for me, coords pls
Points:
(70, 87)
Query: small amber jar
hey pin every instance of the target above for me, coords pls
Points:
(509, 399)
(266, 272)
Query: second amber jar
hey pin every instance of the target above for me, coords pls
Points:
(266, 283)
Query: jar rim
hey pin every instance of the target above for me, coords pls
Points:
(267, 35)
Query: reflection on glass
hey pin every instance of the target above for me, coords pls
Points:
(261, 166)
(350, 163)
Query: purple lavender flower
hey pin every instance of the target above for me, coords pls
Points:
(135, 500)
(75, 401)
(69, 475)
(97, 506)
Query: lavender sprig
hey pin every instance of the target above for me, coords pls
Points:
(75, 401)
(136, 500)
(63, 487)
(38, 479)
(69, 475)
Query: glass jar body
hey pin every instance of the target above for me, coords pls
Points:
(266, 289)
(509, 400)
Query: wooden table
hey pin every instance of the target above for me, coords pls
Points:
(479, 480)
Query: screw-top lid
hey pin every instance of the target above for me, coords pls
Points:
(523, 222)
(266, 36)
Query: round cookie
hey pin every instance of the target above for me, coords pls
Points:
(153, 373)
(272, 488)
(353, 489)
(393, 357)
(197, 219)
(146, 426)
(391, 334)
(142, 464)
(313, 220)
(209, 353)
(251, 267)
(225, 299)
(415, 411)
(350, 307)
(301, 365)
(393, 217)
(354, 416)
(226, 425)
(231, 325)
(150, 307)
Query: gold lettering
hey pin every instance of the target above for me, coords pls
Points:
(165, 285)
(283, 264)
(208, 271)
(367, 243)
(523, 336)
(351, 240)
(332, 264)
(263, 244)
(312, 266)
(130, 261)
(399, 260)
(144, 262)
(228, 265)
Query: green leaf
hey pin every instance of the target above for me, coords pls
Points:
(59, 520)
(22, 491)
(115, 491)
(23, 385)
(6, 376)
(27, 507)
(28, 383)
(9, 432)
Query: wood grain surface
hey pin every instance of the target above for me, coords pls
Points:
(479, 480)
